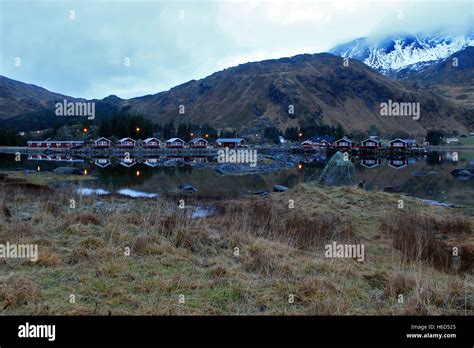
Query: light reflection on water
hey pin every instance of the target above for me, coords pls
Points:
(427, 178)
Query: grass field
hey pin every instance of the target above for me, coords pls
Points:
(257, 256)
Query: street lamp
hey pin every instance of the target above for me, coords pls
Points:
(206, 136)
(85, 130)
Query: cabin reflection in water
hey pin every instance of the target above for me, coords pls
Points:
(55, 158)
(197, 159)
(127, 161)
(155, 161)
(398, 163)
(151, 161)
(370, 162)
(102, 162)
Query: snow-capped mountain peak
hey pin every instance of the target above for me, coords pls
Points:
(394, 54)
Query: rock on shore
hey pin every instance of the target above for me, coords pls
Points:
(338, 172)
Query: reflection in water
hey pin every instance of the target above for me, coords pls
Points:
(55, 158)
(426, 177)
(397, 163)
(370, 162)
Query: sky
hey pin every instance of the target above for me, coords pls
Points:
(93, 49)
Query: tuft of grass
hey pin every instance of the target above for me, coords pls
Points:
(19, 291)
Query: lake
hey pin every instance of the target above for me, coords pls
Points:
(428, 177)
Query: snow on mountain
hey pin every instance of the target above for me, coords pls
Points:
(394, 54)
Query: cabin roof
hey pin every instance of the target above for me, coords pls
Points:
(124, 139)
(194, 140)
(344, 138)
(318, 138)
(398, 139)
(229, 140)
(102, 138)
(372, 138)
(172, 140)
(307, 142)
(150, 139)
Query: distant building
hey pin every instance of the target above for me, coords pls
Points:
(371, 143)
(230, 142)
(398, 144)
(56, 144)
(452, 140)
(471, 134)
(151, 143)
(402, 144)
(411, 143)
(344, 143)
(175, 143)
(307, 144)
(126, 143)
(322, 140)
(198, 143)
(101, 142)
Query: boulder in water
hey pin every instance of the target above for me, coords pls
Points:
(338, 172)
(260, 193)
(392, 189)
(188, 188)
(279, 188)
(463, 174)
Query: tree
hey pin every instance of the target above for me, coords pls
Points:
(339, 132)
(272, 133)
(211, 132)
(228, 134)
(434, 136)
(183, 131)
(291, 133)
(105, 127)
(169, 130)
(373, 130)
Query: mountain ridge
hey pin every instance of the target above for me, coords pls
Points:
(391, 54)
(303, 89)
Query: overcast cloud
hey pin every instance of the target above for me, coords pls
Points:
(169, 42)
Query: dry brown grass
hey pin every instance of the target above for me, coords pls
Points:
(19, 291)
(280, 253)
(264, 218)
(419, 237)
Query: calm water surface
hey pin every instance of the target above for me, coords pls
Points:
(428, 177)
